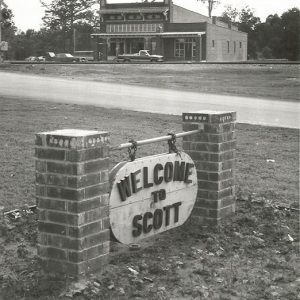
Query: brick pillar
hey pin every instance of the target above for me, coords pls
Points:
(72, 199)
(213, 151)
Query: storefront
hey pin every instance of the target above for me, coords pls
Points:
(165, 29)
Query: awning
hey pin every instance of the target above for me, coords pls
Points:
(126, 35)
(149, 34)
(181, 34)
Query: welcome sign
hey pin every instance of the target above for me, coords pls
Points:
(151, 195)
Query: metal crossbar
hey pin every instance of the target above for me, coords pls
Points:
(154, 140)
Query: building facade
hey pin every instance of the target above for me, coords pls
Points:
(166, 29)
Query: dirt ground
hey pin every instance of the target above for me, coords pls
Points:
(253, 255)
(276, 81)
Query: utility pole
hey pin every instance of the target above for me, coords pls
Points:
(74, 40)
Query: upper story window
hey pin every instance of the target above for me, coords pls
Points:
(134, 17)
(234, 46)
(114, 17)
(228, 46)
(240, 44)
(134, 27)
(153, 16)
(213, 43)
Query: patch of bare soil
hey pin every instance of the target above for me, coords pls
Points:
(253, 255)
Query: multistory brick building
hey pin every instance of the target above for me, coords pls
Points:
(166, 29)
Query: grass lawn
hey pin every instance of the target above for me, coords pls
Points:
(19, 120)
(253, 255)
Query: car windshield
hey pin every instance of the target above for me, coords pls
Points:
(144, 53)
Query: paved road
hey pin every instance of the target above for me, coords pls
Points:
(250, 110)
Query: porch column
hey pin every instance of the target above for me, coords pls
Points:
(198, 48)
(125, 46)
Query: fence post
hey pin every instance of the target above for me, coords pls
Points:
(72, 189)
(213, 151)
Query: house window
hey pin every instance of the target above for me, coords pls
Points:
(240, 44)
(228, 46)
(234, 46)
(213, 43)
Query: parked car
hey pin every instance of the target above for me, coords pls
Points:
(31, 58)
(142, 55)
(82, 59)
(41, 58)
(66, 57)
(50, 56)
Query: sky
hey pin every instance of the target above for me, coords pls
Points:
(28, 13)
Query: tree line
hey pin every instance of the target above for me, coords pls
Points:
(68, 25)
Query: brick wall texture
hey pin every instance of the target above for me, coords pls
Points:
(72, 194)
(213, 151)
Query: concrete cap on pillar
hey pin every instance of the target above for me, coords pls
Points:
(209, 116)
(72, 138)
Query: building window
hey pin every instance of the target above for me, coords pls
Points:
(228, 46)
(183, 45)
(240, 44)
(154, 27)
(179, 47)
(213, 43)
(234, 46)
(194, 48)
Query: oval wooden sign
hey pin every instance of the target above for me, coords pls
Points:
(151, 195)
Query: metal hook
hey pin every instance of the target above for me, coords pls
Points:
(132, 150)
(172, 144)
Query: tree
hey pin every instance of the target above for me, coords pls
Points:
(291, 33)
(230, 15)
(269, 37)
(62, 15)
(6, 18)
(246, 21)
(7, 24)
(211, 4)
(8, 29)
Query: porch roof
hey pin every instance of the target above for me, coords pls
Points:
(181, 34)
(149, 34)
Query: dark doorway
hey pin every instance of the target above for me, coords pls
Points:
(188, 51)
(203, 47)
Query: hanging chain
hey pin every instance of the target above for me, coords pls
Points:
(172, 144)
(132, 150)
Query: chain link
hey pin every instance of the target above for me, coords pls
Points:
(132, 150)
